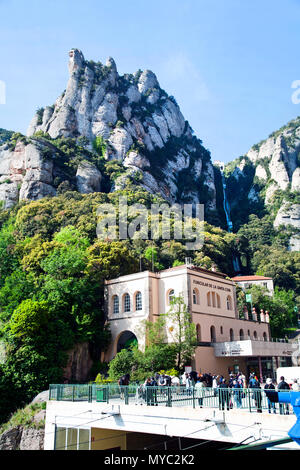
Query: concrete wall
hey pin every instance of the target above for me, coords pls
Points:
(223, 325)
(127, 321)
(200, 423)
(205, 362)
(207, 284)
(266, 283)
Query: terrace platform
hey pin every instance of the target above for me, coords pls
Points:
(96, 411)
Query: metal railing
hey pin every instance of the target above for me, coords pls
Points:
(221, 339)
(247, 399)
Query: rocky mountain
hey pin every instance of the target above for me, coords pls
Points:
(107, 130)
(106, 117)
(266, 180)
(26, 428)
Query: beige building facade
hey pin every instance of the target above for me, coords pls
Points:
(245, 282)
(226, 343)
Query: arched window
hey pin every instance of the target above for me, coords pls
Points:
(115, 304)
(255, 335)
(221, 330)
(265, 337)
(198, 331)
(241, 334)
(212, 334)
(138, 301)
(231, 334)
(229, 303)
(195, 296)
(213, 300)
(126, 303)
(171, 295)
(249, 336)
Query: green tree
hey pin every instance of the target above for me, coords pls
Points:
(107, 260)
(151, 254)
(17, 287)
(8, 259)
(158, 357)
(121, 364)
(139, 364)
(182, 330)
(280, 307)
(99, 145)
(158, 353)
(28, 318)
(282, 265)
(154, 332)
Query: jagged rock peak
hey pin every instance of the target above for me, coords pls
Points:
(147, 81)
(111, 63)
(270, 179)
(127, 118)
(76, 60)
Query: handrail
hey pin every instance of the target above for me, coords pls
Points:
(246, 399)
(262, 340)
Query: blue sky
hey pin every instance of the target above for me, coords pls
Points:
(229, 63)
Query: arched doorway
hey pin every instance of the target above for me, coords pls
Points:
(126, 340)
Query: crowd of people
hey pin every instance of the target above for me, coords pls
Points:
(230, 392)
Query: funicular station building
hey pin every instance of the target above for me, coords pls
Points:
(77, 419)
(226, 342)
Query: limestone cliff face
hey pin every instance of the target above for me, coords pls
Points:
(79, 364)
(270, 172)
(24, 173)
(30, 171)
(279, 153)
(140, 125)
(29, 436)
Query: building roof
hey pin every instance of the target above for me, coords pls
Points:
(174, 268)
(250, 278)
(195, 268)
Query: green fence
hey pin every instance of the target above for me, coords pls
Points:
(251, 400)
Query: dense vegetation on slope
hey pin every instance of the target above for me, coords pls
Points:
(52, 269)
(53, 266)
(5, 135)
